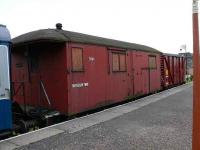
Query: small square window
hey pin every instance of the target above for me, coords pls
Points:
(77, 59)
(118, 61)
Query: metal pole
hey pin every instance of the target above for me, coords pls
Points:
(186, 61)
(196, 83)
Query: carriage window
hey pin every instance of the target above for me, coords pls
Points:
(152, 62)
(118, 62)
(77, 59)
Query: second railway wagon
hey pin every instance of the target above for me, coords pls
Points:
(172, 70)
(73, 72)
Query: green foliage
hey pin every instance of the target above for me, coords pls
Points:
(189, 78)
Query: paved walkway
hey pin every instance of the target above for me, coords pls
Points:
(159, 121)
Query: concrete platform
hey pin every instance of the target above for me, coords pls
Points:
(159, 121)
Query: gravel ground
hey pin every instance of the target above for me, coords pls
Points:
(165, 124)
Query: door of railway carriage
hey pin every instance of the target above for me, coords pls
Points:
(25, 77)
(153, 73)
(34, 77)
(140, 74)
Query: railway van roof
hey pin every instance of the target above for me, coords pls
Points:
(175, 55)
(59, 35)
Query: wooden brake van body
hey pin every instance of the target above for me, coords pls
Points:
(73, 72)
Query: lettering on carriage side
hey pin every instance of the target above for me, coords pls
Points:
(85, 84)
(91, 59)
(79, 85)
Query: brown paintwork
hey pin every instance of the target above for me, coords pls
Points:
(196, 85)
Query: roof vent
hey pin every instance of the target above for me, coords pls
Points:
(58, 26)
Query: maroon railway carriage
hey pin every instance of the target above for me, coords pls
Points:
(73, 72)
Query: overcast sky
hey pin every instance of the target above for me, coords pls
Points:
(162, 24)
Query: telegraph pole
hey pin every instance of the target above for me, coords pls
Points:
(196, 83)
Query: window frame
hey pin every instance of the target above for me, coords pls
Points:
(119, 61)
(155, 58)
(72, 65)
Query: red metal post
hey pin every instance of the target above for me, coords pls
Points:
(196, 83)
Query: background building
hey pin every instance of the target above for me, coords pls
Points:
(189, 65)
